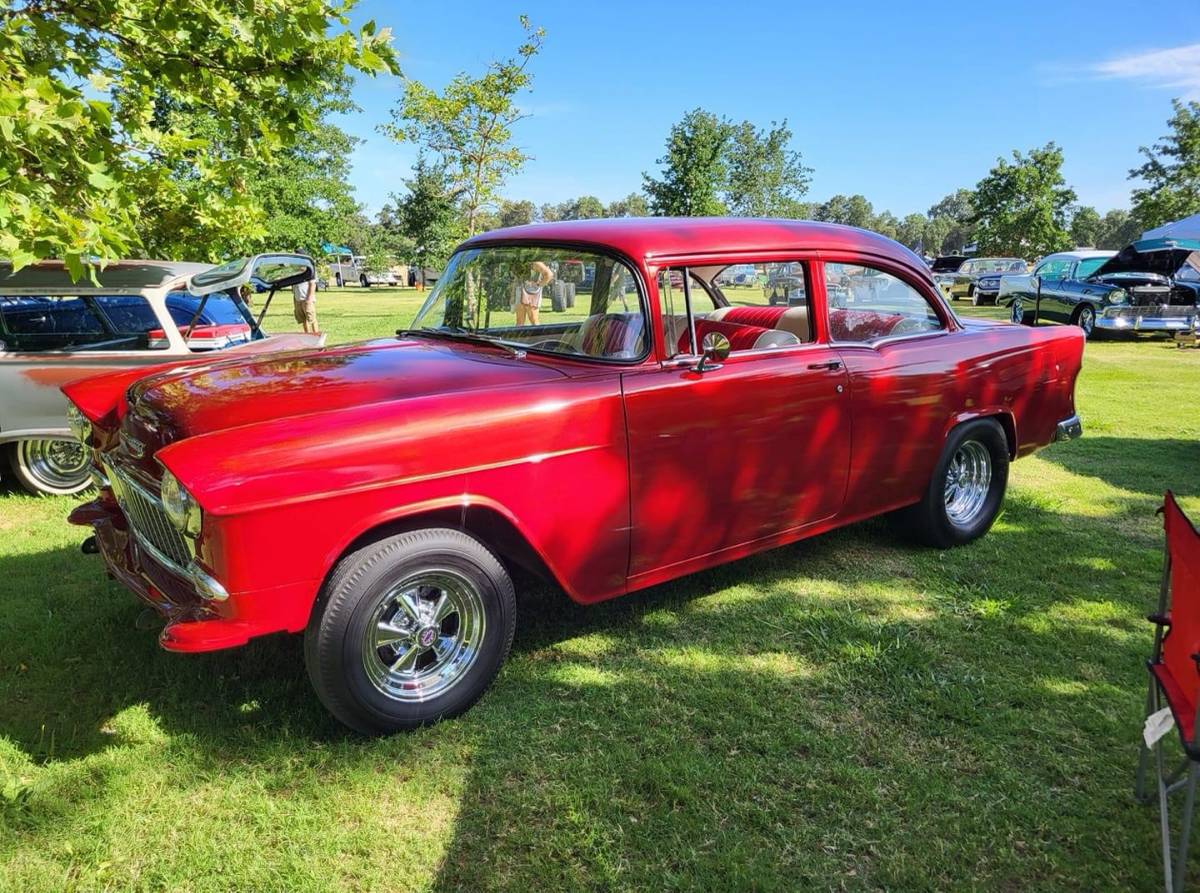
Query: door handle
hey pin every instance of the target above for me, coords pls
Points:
(831, 365)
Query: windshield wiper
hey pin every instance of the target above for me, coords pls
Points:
(457, 333)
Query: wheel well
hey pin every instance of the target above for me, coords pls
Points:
(484, 524)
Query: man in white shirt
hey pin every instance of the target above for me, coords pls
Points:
(304, 304)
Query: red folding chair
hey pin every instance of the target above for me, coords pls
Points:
(1175, 680)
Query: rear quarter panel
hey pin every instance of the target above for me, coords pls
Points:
(908, 395)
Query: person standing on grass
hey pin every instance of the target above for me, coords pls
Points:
(304, 304)
(529, 302)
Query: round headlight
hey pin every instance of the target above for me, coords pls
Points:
(80, 427)
(1118, 296)
(182, 510)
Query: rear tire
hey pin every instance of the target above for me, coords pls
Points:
(1019, 315)
(338, 279)
(410, 630)
(967, 487)
(363, 281)
(57, 466)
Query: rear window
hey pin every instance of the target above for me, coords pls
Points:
(219, 310)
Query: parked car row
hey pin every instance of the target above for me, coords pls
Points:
(1150, 286)
(976, 278)
(384, 492)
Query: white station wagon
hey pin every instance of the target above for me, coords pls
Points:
(138, 313)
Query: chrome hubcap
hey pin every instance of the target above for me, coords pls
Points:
(1087, 319)
(56, 464)
(968, 480)
(424, 635)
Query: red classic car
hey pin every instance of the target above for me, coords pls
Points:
(375, 496)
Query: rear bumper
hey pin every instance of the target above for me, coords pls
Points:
(1069, 429)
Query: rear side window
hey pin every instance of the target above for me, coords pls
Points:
(129, 314)
(78, 323)
(866, 305)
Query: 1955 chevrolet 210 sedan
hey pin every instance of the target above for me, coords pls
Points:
(376, 496)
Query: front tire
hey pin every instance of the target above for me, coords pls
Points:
(53, 466)
(967, 487)
(1085, 318)
(410, 630)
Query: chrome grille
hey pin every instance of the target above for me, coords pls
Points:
(1152, 311)
(149, 522)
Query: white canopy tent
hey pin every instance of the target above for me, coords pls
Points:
(1187, 228)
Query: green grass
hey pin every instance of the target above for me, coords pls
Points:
(849, 712)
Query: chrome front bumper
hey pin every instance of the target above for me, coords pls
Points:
(1129, 320)
(1069, 429)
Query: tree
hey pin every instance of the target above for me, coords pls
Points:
(632, 205)
(1086, 227)
(81, 86)
(468, 126)
(1021, 206)
(1118, 229)
(302, 193)
(911, 231)
(694, 168)
(766, 178)
(586, 207)
(852, 210)
(429, 213)
(1171, 172)
(516, 213)
(951, 223)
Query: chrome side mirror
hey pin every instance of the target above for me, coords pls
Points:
(714, 350)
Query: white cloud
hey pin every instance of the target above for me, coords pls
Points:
(1177, 68)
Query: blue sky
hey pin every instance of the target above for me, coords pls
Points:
(901, 107)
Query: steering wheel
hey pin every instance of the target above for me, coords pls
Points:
(556, 344)
(907, 326)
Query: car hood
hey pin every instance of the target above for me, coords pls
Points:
(1162, 256)
(228, 393)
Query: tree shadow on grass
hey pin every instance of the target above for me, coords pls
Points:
(1136, 465)
(848, 711)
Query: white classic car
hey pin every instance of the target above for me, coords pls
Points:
(137, 313)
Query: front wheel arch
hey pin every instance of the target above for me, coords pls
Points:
(489, 525)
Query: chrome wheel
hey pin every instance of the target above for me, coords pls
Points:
(1086, 320)
(55, 466)
(968, 480)
(424, 635)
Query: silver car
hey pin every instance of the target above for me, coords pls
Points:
(138, 313)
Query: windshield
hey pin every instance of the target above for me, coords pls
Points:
(1087, 267)
(993, 265)
(557, 300)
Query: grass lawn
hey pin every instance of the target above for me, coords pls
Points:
(848, 712)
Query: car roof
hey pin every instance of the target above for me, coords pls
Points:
(128, 274)
(659, 237)
(1081, 254)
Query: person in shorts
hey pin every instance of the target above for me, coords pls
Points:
(529, 301)
(304, 305)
